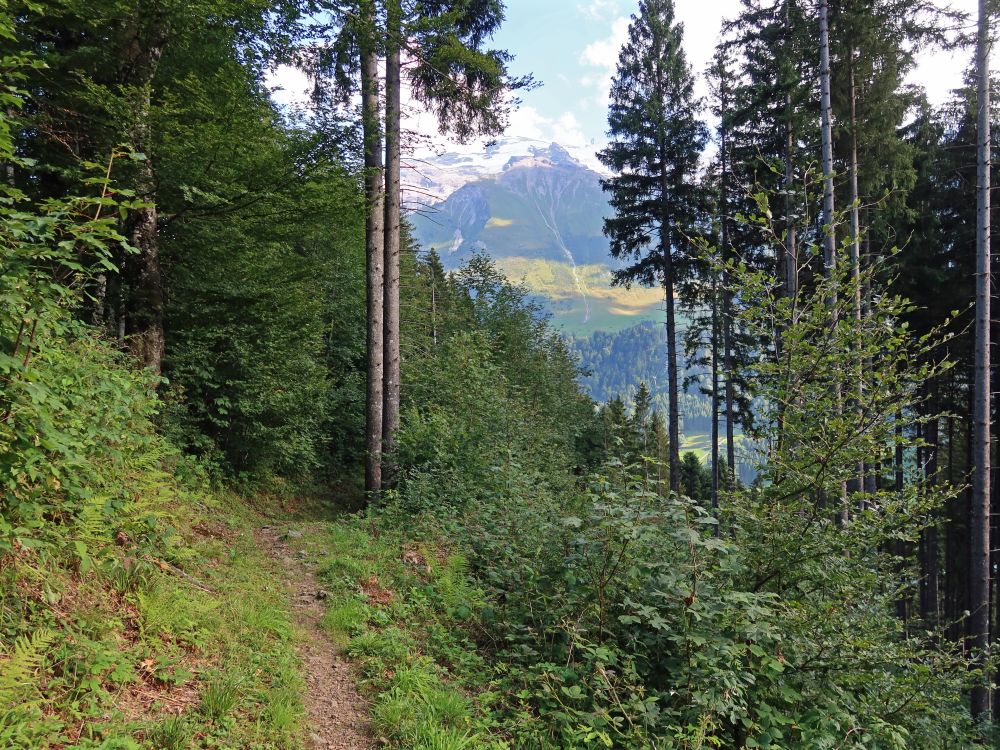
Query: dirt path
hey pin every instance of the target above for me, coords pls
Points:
(337, 714)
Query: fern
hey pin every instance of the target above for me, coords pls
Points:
(17, 668)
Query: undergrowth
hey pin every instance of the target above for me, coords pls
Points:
(186, 643)
(403, 612)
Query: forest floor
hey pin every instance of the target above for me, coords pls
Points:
(337, 715)
(258, 622)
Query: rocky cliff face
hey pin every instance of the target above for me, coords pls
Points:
(542, 204)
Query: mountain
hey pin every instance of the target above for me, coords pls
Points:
(432, 179)
(538, 212)
(540, 217)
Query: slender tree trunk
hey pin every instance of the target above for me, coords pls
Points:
(791, 248)
(826, 112)
(143, 315)
(859, 481)
(391, 375)
(727, 307)
(829, 230)
(954, 545)
(871, 473)
(903, 600)
(673, 411)
(979, 542)
(374, 248)
(929, 566)
(715, 398)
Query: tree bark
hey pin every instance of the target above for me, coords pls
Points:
(673, 416)
(727, 307)
(903, 600)
(374, 247)
(673, 409)
(391, 342)
(829, 230)
(859, 482)
(144, 301)
(929, 566)
(715, 399)
(979, 542)
(791, 248)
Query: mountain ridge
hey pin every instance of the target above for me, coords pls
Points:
(539, 210)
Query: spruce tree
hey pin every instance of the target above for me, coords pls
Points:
(979, 542)
(655, 144)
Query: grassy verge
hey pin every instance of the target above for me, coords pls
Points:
(404, 613)
(184, 641)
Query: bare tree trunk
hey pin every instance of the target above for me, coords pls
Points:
(826, 111)
(727, 311)
(715, 398)
(929, 566)
(143, 318)
(374, 244)
(979, 542)
(391, 375)
(830, 237)
(673, 411)
(859, 482)
(903, 600)
(791, 248)
(871, 473)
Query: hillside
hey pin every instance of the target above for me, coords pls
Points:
(539, 215)
(271, 478)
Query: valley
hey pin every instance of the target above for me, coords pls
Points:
(537, 211)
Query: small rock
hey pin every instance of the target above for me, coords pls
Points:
(292, 534)
(317, 740)
(322, 594)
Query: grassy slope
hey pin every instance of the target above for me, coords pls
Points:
(611, 308)
(134, 654)
(403, 612)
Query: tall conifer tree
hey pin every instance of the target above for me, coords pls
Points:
(980, 521)
(655, 144)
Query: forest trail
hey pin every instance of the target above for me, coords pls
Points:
(337, 715)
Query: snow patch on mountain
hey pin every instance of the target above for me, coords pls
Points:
(431, 178)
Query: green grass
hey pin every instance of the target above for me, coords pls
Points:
(701, 445)
(610, 308)
(411, 647)
(143, 658)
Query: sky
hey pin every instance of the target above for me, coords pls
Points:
(571, 47)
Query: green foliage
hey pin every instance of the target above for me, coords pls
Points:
(409, 638)
(219, 697)
(491, 397)
(613, 612)
(265, 337)
(173, 733)
(19, 667)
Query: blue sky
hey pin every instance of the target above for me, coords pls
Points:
(571, 47)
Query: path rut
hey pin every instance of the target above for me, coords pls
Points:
(337, 714)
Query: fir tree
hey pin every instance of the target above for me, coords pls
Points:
(656, 141)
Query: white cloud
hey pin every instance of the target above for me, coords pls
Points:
(288, 85)
(598, 9)
(602, 56)
(604, 52)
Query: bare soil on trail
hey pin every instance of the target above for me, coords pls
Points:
(338, 717)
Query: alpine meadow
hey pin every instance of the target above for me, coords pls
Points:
(498, 375)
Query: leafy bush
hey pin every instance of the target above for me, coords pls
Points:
(619, 616)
